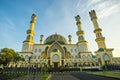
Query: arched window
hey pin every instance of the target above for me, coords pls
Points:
(26, 57)
(34, 57)
(106, 57)
(21, 56)
(35, 50)
(55, 58)
(62, 54)
(71, 50)
(65, 49)
(75, 50)
(83, 56)
(46, 49)
(39, 50)
(88, 56)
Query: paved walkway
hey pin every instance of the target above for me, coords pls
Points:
(60, 76)
(30, 77)
(78, 76)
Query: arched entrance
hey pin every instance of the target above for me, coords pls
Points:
(55, 65)
(55, 55)
(55, 60)
(106, 59)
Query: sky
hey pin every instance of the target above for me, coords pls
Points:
(58, 16)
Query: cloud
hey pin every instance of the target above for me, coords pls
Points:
(6, 22)
(116, 52)
(104, 8)
(108, 11)
(91, 2)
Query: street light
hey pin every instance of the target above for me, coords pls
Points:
(35, 67)
(41, 66)
(42, 62)
(0, 61)
(28, 67)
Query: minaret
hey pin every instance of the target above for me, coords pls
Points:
(70, 39)
(80, 32)
(41, 39)
(83, 46)
(104, 54)
(99, 38)
(27, 44)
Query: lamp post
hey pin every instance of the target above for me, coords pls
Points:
(28, 67)
(42, 62)
(0, 58)
(35, 67)
(1, 65)
(0, 61)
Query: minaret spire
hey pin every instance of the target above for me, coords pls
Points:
(83, 46)
(30, 31)
(70, 39)
(28, 43)
(78, 23)
(80, 32)
(98, 31)
(41, 39)
(33, 22)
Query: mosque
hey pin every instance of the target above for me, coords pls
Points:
(56, 51)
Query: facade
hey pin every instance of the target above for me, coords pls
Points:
(56, 51)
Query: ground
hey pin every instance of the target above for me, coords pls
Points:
(78, 76)
(91, 75)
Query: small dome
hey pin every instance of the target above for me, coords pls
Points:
(55, 37)
(100, 50)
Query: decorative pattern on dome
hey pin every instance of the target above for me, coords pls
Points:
(55, 37)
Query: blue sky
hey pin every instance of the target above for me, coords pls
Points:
(58, 16)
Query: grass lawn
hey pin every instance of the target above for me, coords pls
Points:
(44, 77)
(107, 73)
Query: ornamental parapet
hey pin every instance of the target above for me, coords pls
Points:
(33, 22)
(93, 17)
(82, 41)
(79, 32)
(97, 30)
(100, 39)
(78, 23)
(30, 32)
(30, 41)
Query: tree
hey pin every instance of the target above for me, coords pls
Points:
(17, 57)
(7, 55)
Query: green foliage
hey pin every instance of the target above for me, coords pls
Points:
(10, 76)
(105, 68)
(7, 55)
(45, 68)
(107, 73)
(55, 50)
(44, 77)
(17, 57)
